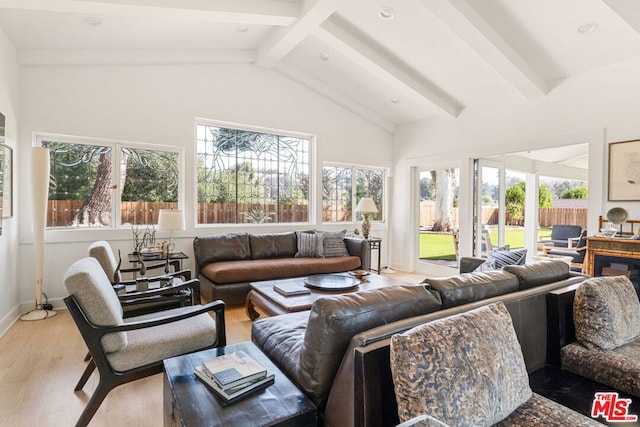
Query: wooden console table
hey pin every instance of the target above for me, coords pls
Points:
(611, 247)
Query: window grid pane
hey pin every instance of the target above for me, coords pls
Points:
(80, 194)
(80, 190)
(336, 194)
(149, 182)
(251, 177)
(369, 183)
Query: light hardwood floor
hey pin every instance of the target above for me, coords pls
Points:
(41, 361)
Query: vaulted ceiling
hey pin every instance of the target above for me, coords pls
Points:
(390, 61)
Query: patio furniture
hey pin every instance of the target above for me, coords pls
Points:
(561, 233)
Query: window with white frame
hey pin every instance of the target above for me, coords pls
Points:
(108, 184)
(247, 176)
(342, 188)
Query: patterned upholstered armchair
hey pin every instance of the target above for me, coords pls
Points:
(468, 370)
(606, 315)
(127, 350)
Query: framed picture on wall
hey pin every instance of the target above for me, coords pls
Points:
(7, 181)
(624, 171)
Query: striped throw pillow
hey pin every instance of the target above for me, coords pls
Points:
(504, 258)
(309, 245)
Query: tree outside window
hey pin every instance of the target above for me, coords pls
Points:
(89, 182)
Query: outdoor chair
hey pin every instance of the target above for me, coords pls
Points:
(561, 234)
(577, 254)
(127, 350)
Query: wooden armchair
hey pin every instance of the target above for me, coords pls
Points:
(125, 351)
(148, 301)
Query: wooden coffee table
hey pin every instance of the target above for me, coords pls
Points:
(263, 297)
(189, 402)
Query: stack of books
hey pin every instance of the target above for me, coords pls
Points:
(235, 375)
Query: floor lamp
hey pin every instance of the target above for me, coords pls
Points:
(39, 196)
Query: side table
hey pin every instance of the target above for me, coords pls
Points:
(189, 402)
(373, 244)
(175, 260)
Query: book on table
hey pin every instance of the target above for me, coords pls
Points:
(290, 289)
(238, 392)
(233, 370)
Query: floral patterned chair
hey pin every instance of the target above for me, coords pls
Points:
(468, 370)
(606, 315)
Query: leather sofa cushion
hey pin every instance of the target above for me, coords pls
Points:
(470, 287)
(539, 273)
(333, 321)
(281, 338)
(275, 268)
(273, 245)
(221, 247)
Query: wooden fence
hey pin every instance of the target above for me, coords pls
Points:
(61, 213)
(546, 216)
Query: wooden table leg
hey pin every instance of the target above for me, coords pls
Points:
(250, 308)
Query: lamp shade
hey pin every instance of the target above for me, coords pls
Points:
(171, 220)
(366, 205)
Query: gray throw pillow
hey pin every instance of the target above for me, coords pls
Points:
(309, 245)
(333, 244)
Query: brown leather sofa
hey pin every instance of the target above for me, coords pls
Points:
(227, 263)
(347, 373)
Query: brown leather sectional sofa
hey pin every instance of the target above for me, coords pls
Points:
(227, 263)
(338, 352)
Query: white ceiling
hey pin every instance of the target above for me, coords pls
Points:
(433, 59)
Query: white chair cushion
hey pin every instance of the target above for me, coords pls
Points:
(101, 250)
(151, 345)
(87, 282)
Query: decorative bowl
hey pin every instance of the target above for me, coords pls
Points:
(608, 232)
(617, 215)
(358, 274)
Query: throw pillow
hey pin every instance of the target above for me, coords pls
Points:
(309, 245)
(606, 312)
(488, 265)
(333, 244)
(465, 369)
(503, 258)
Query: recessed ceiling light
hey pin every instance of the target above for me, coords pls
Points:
(94, 21)
(387, 12)
(242, 28)
(588, 27)
(324, 56)
(395, 100)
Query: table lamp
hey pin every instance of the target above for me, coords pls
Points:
(171, 220)
(366, 206)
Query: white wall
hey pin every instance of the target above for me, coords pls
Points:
(597, 108)
(158, 104)
(9, 105)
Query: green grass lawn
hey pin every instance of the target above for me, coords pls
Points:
(440, 246)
